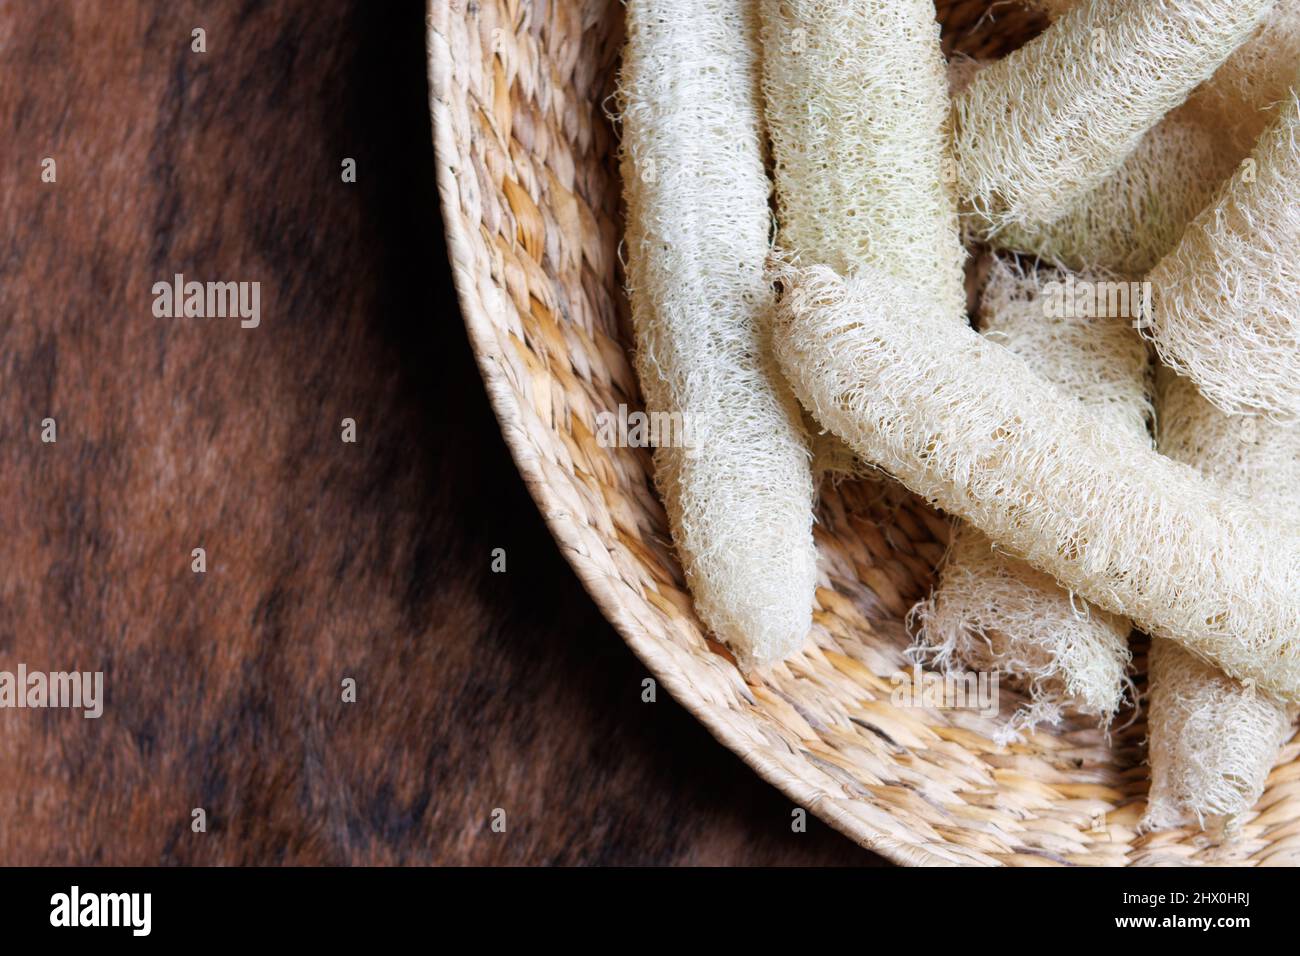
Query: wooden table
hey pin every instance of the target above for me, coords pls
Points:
(325, 560)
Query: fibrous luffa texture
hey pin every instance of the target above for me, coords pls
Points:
(1227, 299)
(1050, 121)
(1242, 97)
(1246, 93)
(857, 110)
(740, 498)
(1255, 457)
(992, 611)
(1211, 739)
(964, 422)
(1138, 213)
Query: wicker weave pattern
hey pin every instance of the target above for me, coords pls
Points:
(527, 178)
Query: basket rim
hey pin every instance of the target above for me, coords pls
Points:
(505, 406)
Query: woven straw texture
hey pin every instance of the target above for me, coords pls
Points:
(530, 198)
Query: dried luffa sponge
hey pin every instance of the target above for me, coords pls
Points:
(1049, 122)
(1138, 213)
(739, 494)
(1227, 299)
(1240, 100)
(1211, 739)
(1246, 93)
(964, 422)
(857, 110)
(991, 611)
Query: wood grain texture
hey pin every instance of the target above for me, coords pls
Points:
(325, 560)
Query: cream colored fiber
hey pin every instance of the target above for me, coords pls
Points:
(964, 422)
(991, 611)
(858, 113)
(1247, 92)
(1041, 127)
(1212, 740)
(1227, 299)
(740, 506)
(1242, 97)
(1138, 213)
(1251, 456)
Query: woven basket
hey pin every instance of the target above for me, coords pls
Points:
(530, 199)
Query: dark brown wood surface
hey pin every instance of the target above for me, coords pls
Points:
(326, 560)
